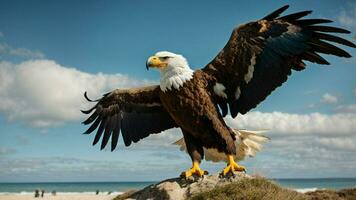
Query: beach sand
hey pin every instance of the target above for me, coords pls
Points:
(59, 197)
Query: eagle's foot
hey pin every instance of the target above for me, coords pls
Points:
(232, 167)
(194, 171)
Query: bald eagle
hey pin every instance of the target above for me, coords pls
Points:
(257, 59)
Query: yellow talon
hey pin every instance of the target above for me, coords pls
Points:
(195, 170)
(232, 166)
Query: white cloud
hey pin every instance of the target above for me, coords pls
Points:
(329, 99)
(339, 143)
(304, 124)
(44, 93)
(346, 108)
(6, 151)
(27, 53)
(308, 156)
(348, 17)
(311, 105)
(7, 50)
(161, 140)
(303, 142)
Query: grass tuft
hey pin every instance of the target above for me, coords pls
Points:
(248, 189)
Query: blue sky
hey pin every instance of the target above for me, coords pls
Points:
(52, 51)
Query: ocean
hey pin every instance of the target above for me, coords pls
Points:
(302, 185)
(312, 184)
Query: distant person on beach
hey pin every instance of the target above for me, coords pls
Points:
(97, 192)
(37, 193)
(54, 193)
(42, 193)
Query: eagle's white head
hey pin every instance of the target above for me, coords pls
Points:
(174, 69)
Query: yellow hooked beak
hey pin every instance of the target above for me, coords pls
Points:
(154, 61)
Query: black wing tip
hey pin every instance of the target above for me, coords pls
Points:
(344, 31)
(95, 142)
(283, 8)
(276, 13)
(295, 16)
(327, 20)
(323, 20)
(86, 132)
(233, 114)
(87, 98)
(352, 45)
(113, 144)
(86, 111)
(347, 56)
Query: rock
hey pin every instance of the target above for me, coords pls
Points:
(180, 189)
(239, 187)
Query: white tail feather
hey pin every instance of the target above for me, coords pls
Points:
(247, 143)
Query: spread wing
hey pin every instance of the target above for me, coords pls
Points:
(137, 113)
(260, 56)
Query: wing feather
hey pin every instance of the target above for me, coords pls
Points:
(99, 132)
(260, 56)
(91, 118)
(107, 133)
(314, 57)
(328, 29)
(93, 126)
(295, 16)
(115, 133)
(326, 48)
(308, 22)
(135, 113)
(333, 38)
(276, 13)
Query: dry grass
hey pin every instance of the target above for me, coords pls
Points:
(344, 194)
(248, 189)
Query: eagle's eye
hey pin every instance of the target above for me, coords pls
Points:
(165, 57)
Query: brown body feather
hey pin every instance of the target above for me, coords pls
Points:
(193, 108)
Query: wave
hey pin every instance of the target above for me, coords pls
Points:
(62, 193)
(305, 190)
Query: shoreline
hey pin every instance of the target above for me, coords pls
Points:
(61, 193)
(60, 196)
